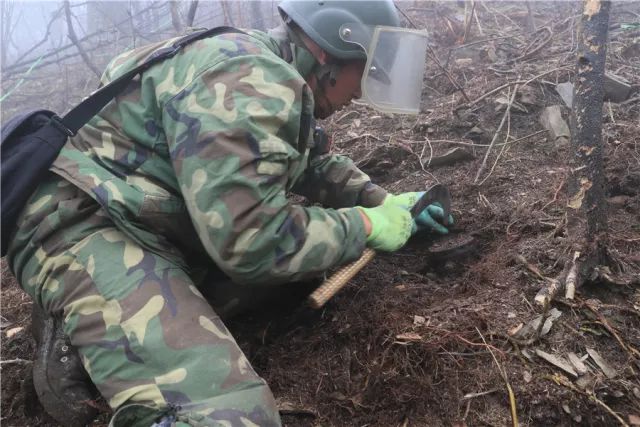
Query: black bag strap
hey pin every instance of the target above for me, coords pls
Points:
(89, 107)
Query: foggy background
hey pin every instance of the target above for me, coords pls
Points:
(52, 52)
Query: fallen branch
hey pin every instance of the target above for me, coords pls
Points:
(547, 292)
(12, 361)
(529, 53)
(572, 278)
(632, 352)
(563, 381)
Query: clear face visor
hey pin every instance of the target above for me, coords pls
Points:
(396, 59)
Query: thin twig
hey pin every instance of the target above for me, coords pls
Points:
(555, 195)
(502, 150)
(469, 21)
(446, 72)
(503, 374)
(561, 380)
(535, 50)
(74, 39)
(523, 82)
(632, 352)
(495, 136)
(12, 361)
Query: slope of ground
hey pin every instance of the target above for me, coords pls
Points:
(425, 337)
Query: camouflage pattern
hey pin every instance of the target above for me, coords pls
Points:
(143, 330)
(191, 164)
(202, 150)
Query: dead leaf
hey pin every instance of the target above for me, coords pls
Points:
(557, 361)
(532, 327)
(608, 371)
(634, 420)
(11, 332)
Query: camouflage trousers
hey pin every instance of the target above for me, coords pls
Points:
(146, 335)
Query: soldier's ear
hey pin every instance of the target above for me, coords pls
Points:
(321, 56)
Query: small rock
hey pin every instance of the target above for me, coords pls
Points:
(577, 418)
(464, 62)
(634, 420)
(527, 377)
(511, 315)
(551, 119)
(565, 90)
(581, 368)
(11, 332)
(616, 88)
(631, 51)
(418, 320)
(619, 201)
(566, 408)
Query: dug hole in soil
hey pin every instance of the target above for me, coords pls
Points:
(427, 336)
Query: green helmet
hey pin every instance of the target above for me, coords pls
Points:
(322, 20)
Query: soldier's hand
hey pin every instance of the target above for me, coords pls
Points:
(391, 226)
(431, 218)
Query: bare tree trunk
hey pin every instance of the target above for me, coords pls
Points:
(176, 20)
(228, 18)
(587, 207)
(74, 39)
(7, 20)
(257, 15)
(191, 15)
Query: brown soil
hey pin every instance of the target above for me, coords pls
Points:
(415, 340)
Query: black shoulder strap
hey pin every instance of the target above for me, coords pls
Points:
(83, 112)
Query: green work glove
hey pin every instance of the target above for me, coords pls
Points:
(390, 227)
(430, 218)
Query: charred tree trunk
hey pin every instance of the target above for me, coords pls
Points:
(586, 205)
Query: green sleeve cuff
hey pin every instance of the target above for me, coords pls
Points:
(371, 195)
(355, 238)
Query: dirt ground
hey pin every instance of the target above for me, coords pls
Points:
(427, 336)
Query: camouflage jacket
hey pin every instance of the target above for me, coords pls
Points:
(198, 154)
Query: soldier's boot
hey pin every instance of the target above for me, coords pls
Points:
(62, 384)
(141, 415)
